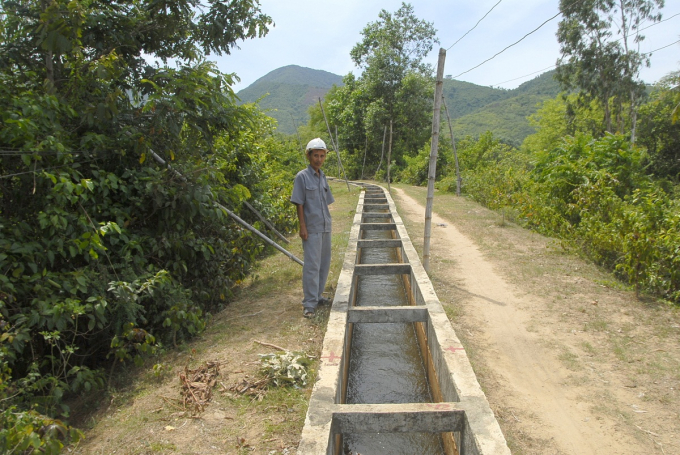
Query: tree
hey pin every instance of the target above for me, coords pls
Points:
(394, 85)
(599, 41)
(559, 117)
(658, 132)
(104, 252)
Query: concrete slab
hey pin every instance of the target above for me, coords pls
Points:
(379, 314)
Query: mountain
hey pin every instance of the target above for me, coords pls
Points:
(474, 109)
(290, 91)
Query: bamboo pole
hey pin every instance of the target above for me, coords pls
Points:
(382, 153)
(337, 152)
(432, 172)
(264, 220)
(232, 214)
(365, 152)
(453, 144)
(389, 160)
(258, 233)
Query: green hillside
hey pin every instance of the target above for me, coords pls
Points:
(289, 91)
(475, 109)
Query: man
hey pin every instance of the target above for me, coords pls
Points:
(312, 197)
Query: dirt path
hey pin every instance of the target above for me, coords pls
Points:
(518, 344)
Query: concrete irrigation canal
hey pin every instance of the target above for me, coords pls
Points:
(394, 377)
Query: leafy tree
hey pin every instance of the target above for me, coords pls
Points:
(394, 85)
(104, 253)
(560, 117)
(599, 41)
(658, 132)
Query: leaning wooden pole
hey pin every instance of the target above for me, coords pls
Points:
(232, 214)
(265, 221)
(258, 233)
(337, 152)
(453, 144)
(382, 152)
(389, 160)
(365, 152)
(432, 172)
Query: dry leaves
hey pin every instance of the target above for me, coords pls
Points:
(197, 385)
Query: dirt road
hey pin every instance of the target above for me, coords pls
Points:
(531, 357)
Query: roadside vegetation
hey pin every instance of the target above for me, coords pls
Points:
(111, 257)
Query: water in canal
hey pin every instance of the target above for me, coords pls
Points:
(385, 364)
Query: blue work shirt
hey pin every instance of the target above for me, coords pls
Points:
(312, 192)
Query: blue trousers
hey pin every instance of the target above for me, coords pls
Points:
(317, 258)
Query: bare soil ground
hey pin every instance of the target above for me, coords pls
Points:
(571, 362)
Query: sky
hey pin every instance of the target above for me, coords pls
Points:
(319, 34)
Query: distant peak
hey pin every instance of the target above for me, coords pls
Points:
(298, 75)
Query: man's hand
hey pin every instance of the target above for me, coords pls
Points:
(303, 232)
(301, 217)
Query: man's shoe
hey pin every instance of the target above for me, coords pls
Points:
(323, 301)
(308, 312)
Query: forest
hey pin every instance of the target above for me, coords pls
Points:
(108, 255)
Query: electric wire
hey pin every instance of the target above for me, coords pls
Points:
(669, 45)
(553, 66)
(466, 33)
(526, 75)
(508, 47)
(657, 23)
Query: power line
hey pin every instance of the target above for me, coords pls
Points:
(553, 66)
(527, 75)
(509, 46)
(657, 23)
(466, 33)
(669, 45)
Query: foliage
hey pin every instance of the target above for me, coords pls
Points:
(597, 40)
(595, 193)
(30, 432)
(659, 132)
(105, 252)
(395, 85)
(417, 168)
(560, 117)
(286, 369)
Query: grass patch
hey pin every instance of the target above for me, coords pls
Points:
(570, 360)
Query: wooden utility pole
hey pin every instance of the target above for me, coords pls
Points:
(365, 152)
(453, 144)
(432, 172)
(382, 152)
(337, 152)
(389, 159)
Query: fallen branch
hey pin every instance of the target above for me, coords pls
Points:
(269, 345)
